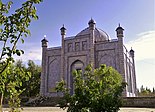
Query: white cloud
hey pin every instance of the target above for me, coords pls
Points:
(143, 46)
(31, 53)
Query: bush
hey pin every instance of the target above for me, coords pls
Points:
(97, 90)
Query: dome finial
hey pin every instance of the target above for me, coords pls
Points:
(91, 24)
(91, 21)
(44, 36)
(91, 18)
(119, 25)
(63, 27)
(44, 39)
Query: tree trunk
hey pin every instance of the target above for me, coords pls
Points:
(1, 102)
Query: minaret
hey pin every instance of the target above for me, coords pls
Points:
(119, 33)
(134, 72)
(92, 24)
(43, 73)
(63, 33)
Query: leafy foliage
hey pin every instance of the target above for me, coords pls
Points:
(11, 81)
(32, 86)
(146, 92)
(20, 81)
(97, 90)
(13, 27)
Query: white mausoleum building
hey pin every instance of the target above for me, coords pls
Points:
(91, 45)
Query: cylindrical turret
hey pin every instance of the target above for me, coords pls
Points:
(63, 30)
(63, 33)
(43, 72)
(44, 42)
(132, 53)
(119, 31)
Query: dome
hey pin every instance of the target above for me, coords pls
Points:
(100, 35)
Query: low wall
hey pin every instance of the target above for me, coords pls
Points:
(146, 102)
(142, 102)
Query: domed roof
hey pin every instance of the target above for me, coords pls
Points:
(100, 35)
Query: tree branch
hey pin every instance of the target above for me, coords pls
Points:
(3, 50)
(13, 47)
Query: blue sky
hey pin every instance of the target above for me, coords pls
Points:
(137, 17)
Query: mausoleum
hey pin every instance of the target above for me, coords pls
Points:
(91, 45)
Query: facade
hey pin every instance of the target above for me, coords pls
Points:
(91, 45)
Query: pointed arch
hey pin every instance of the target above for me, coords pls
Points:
(76, 65)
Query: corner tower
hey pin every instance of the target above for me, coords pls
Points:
(44, 49)
(132, 54)
(63, 34)
(119, 34)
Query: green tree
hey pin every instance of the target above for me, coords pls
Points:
(32, 86)
(19, 63)
(14, 27)
(11, 80)
(97, 90)
(142, 88)
(145, 91)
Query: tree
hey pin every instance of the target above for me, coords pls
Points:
(19, 63)
(11, 80)
(146, 91)
(97, 90)
(14, 27)
(32, 86)
(142, 88)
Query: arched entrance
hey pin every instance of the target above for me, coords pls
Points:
(76, 65)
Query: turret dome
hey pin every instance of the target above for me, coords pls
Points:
(91, 22)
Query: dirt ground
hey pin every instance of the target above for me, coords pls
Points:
(57, 109)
